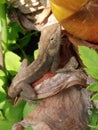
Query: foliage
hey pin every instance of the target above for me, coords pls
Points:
(14, 39)
(2, 1)
(90, 60)
(93, 120)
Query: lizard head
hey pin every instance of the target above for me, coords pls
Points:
(54, 39)
(50, 39)
(13, 91)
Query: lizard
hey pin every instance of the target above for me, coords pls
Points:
(68, 76)
(48, 58)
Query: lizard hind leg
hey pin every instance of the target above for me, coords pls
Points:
(17, 126)
(55, 63)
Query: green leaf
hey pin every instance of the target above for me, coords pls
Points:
(6, 125)
(28, 108)
(16, 110)
(2, 1)
(95, 97)
(93, 87)
(94, 127)
(2, 98)
(2, 79)
(90, 60)
(13, 32)
(93, 119)
(10, 114)
(12, 62)
(93, 72)
(35, 54)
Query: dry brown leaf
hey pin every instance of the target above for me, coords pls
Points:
(83, 24)
(31, 14)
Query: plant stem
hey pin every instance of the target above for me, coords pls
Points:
(3, 20)
(4, 36)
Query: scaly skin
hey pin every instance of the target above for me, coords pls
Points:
(48, 58)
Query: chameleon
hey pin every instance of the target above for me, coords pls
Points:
(47, 59)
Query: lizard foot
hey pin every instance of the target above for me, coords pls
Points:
(17, 127)
(28, 93)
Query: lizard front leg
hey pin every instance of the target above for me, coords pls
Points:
(55, 63)
(27, 92)
(31, 73)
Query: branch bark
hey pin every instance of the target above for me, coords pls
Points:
(64, 111)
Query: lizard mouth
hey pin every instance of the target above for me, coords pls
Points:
(14, 101)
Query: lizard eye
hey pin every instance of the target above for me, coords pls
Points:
(51, 39)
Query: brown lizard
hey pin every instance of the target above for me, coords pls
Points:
(48, 58)
(70, 75)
